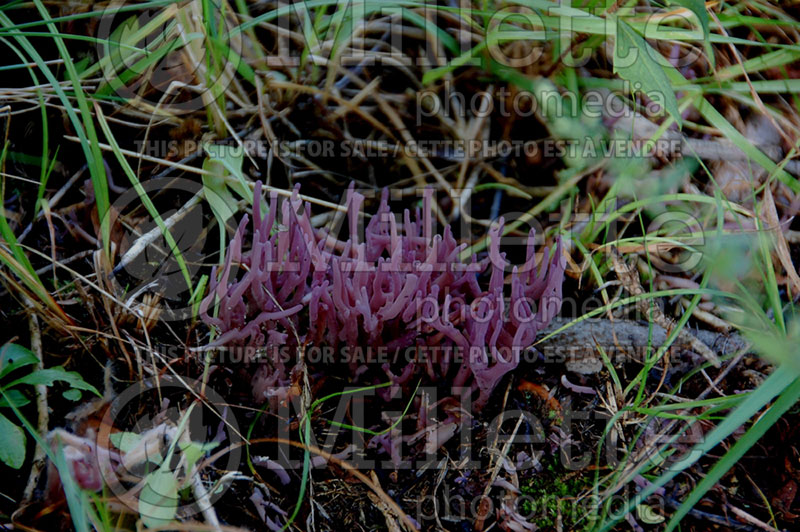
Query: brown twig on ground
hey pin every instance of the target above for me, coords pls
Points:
(630, 280)
(391, 519)
(627, 339)
(43, 422)
(744, 516)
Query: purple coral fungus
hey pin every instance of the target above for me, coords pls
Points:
(401, 287)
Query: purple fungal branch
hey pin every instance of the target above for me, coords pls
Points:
(402, 287)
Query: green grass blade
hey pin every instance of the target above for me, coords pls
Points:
(148, 204)
(773, 386)
(787, 399)
(84, 126)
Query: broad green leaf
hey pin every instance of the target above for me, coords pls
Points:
(73, 394)
(12, 443)
(698, 7)
(50, 376)
(16, 398)
(125, 441)
(215, 188)
(13, 356)
(231, 158)
(77, 501)
(193, 451)
(218, 197)
(634, 61)
(217, 194)
(158, 500)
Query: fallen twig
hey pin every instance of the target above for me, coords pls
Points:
(43, 422)
(623, 340)
(629, 278)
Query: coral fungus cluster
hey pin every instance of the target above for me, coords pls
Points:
(391, 283)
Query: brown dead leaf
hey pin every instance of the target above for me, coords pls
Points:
(769, 214)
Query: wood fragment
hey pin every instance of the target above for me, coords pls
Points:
(43, 421)
(622, 340)
(391, 520)
(769, 214)
(629, 278)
